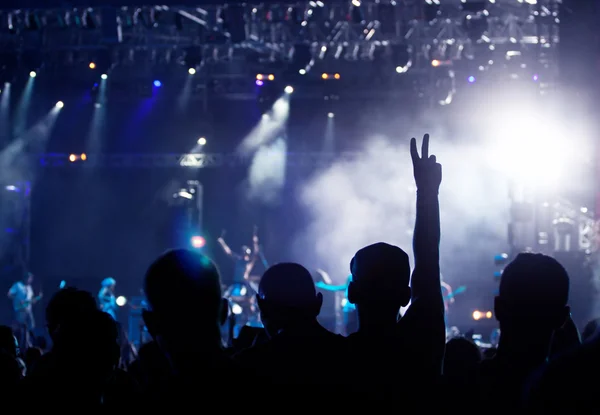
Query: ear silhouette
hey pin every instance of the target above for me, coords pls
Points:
(224, 311)
(149, 320)
(352, 294)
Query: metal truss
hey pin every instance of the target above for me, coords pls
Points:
(188, 161)
(445, 30)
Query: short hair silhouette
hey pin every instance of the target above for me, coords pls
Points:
(288, 285)
(534, 283)
(379, 268)
(67, 304)
(182, 281)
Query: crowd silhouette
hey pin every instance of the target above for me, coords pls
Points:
(392, 362)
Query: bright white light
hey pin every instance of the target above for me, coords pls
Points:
(331, 115)
(104, 76)
(121, 301)
(236, 309)
(198, 242)
(289, 89)
(265, 116)
(201, 141)
(60, 104)
(32, 74)
(531, 149)
(192, 71)
(302, 71)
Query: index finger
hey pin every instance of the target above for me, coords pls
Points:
(414, 154)
(425, 147)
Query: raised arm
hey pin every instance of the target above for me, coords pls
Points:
(224, 245)
(426, 241)
(257, 252)
(426, 312)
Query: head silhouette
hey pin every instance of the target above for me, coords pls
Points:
(8, 342)
(533, 295)
(183, 289)
(380, 280)
(67, 304)
(87, 344)
(461, 359)
(287, 297)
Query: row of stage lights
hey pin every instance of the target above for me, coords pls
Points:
(83, 157)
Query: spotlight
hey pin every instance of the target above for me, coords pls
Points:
(236, 309)
(104, 76)
(92, 65)
(324, 76)
(435, 63)
(265, 116)
(331, 115)
(198, 242)
(192, 71)
(60, 104)
(83, 157)
(477, 315)
(157, 83)
(259, 82)
(201, 141)
(121, 301)
(289, 89)
(72, 158)
(471, 79)
(337, 76)
(259, 77)
(302, 71)
(32, 74)
(271, 77)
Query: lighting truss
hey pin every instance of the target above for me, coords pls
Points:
(349, 31)
(188, 161)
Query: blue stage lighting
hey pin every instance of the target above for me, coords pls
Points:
(157, 83)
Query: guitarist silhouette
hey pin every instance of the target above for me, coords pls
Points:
(21, 294)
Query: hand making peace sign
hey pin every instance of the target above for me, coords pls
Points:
(427, 171)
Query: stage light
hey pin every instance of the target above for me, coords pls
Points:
(265, 116)
(535, 78)
(471, 79)
(435, 63)
(477, 315)
(72, 158)
(60, 104)
(331, 115)
(201, 141)
(192, 71)
(302, 71)
(337, 76)
(121, 301)
(271, 77)
(83, 157)
(12, 188)
(324, 76)
(32, 74)
(259, 82)
(259, 77)
(104, 76)
(92, 65)
(488, 314)
(62, 285)
(289, 89)
(157, 83)
(198, 242)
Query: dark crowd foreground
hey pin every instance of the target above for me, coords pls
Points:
(392, 362)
